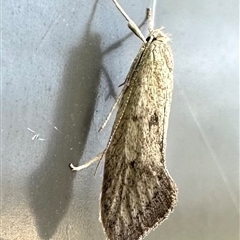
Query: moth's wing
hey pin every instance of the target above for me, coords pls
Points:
(138, 193)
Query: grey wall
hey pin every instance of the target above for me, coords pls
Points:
(61, 65)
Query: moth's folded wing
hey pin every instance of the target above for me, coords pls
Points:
(135, 199)
(137, 193)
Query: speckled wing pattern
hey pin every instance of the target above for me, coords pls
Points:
(138, 193)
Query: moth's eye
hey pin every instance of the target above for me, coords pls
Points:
(147, 39)
(151, 38)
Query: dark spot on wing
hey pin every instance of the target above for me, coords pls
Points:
(153, 121)
(132, 164)
(134, 118)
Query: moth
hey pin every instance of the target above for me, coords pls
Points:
(138, 193)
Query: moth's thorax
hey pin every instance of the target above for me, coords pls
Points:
(157, 35)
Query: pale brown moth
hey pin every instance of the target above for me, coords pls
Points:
(138, 193)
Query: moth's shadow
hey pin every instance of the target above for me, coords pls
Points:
(50, 185)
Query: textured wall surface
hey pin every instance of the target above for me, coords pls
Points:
(62, 62)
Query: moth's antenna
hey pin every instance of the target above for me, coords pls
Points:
(154, 2)
(151, 16)
(131, 24)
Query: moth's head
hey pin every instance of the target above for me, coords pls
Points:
(158, 35)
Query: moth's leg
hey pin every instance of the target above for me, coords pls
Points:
(78, 168)
(113, 47)
(131, 24)
(111, 111)
(150, 20)
(100, 155)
